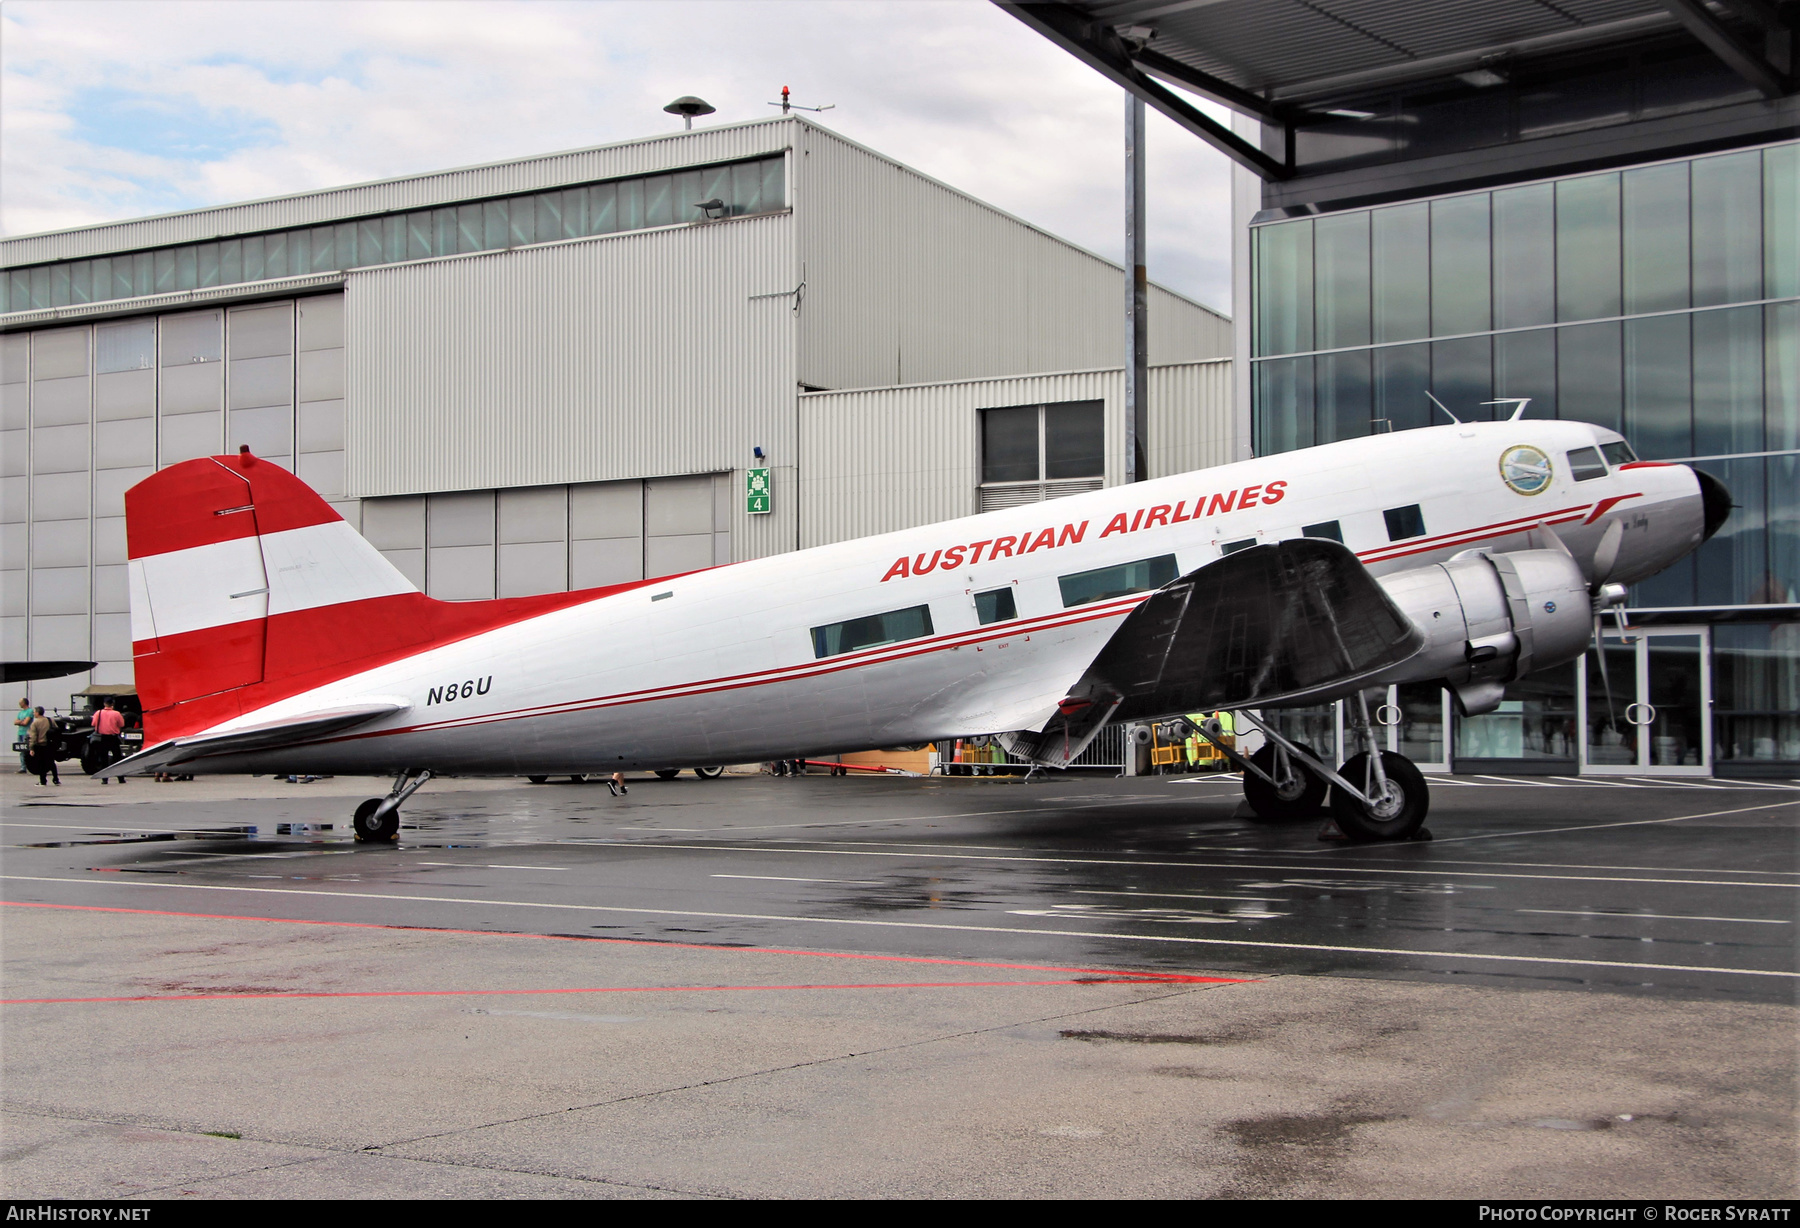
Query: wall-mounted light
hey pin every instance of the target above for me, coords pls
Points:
(757, 452)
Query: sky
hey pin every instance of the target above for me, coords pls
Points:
(119, 109)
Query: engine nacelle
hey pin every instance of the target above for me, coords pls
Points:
(1490, 618)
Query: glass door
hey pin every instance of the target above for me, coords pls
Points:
(1417, 717)
(1658, 719)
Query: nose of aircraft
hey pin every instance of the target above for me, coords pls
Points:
(1715, 501)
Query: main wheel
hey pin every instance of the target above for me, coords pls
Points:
(667, 773)
(1394, 815)
(578, 780)
(372, 830)
(709, 773)
(1300, 796)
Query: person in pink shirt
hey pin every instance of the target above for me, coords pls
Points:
(109, 723)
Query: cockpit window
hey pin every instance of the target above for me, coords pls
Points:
(1618, 452)
(1585, 463)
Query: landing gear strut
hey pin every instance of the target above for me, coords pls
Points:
(1393, 799)
(377, 820)
(1376, 795)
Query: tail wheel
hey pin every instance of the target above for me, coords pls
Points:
(709, 773)
(1395, 813)
(1300, 795)
(667, 773)
(372, 830)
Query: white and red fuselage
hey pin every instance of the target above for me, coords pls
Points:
(253, 602)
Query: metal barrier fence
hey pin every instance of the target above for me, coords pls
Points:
(1107, 750)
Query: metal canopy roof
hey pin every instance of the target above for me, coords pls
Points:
(1282, 60)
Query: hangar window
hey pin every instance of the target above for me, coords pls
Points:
(1105, 583)
(755, 185)
(872, 631)
(1404, 522)
(1033, 452)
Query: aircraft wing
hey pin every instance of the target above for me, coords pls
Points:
(266, 736)
(1269, 625)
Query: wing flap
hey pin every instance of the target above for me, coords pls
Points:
(269, 735)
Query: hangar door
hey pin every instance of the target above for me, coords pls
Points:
(476, 545)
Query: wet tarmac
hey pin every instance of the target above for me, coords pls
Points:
(1579, 936)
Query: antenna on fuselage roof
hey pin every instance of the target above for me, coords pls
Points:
(1447, 412)
(1521, 402)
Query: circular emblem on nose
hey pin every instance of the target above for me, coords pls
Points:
(1526, 469)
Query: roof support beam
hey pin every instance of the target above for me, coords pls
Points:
(1103, 51)
(1205, 84)
(1724, 43)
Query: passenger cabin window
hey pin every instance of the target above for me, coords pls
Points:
(1585, 464)
(1033, 452)
(996, 606)
(1234, 547)
(1404, 522)
(1618, 452)
(1325, 528)
(872, 631)
(1105, 583)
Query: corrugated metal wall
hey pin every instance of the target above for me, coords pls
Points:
(889, 458)
(626, 356)
(910, 281)
(646, 156)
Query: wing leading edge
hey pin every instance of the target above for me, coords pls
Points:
(1279, 624)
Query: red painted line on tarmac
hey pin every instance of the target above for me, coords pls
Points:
(478, 993)
(1126, 974)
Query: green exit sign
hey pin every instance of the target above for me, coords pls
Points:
(756, 491)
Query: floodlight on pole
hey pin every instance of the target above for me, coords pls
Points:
(687, 106)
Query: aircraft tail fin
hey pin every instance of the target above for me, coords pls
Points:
(248, 588)
(220, 549)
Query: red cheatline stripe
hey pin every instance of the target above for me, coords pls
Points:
(1131, 974)
(787, 673)
(484, 993)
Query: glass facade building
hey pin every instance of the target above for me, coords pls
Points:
(1661, 301)
(638, 203)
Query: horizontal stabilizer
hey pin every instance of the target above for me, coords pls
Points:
(269, 735)
(34, 671)
(1292, 622)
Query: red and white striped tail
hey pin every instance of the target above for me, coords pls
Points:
(224, 551)
(247, 588)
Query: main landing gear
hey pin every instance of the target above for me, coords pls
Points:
(377, 820)
(1375, 795)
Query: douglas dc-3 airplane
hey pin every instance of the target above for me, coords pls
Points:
(271, 637)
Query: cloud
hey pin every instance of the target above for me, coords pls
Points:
(115, 110)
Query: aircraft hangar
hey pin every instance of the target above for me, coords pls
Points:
(560, 371)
